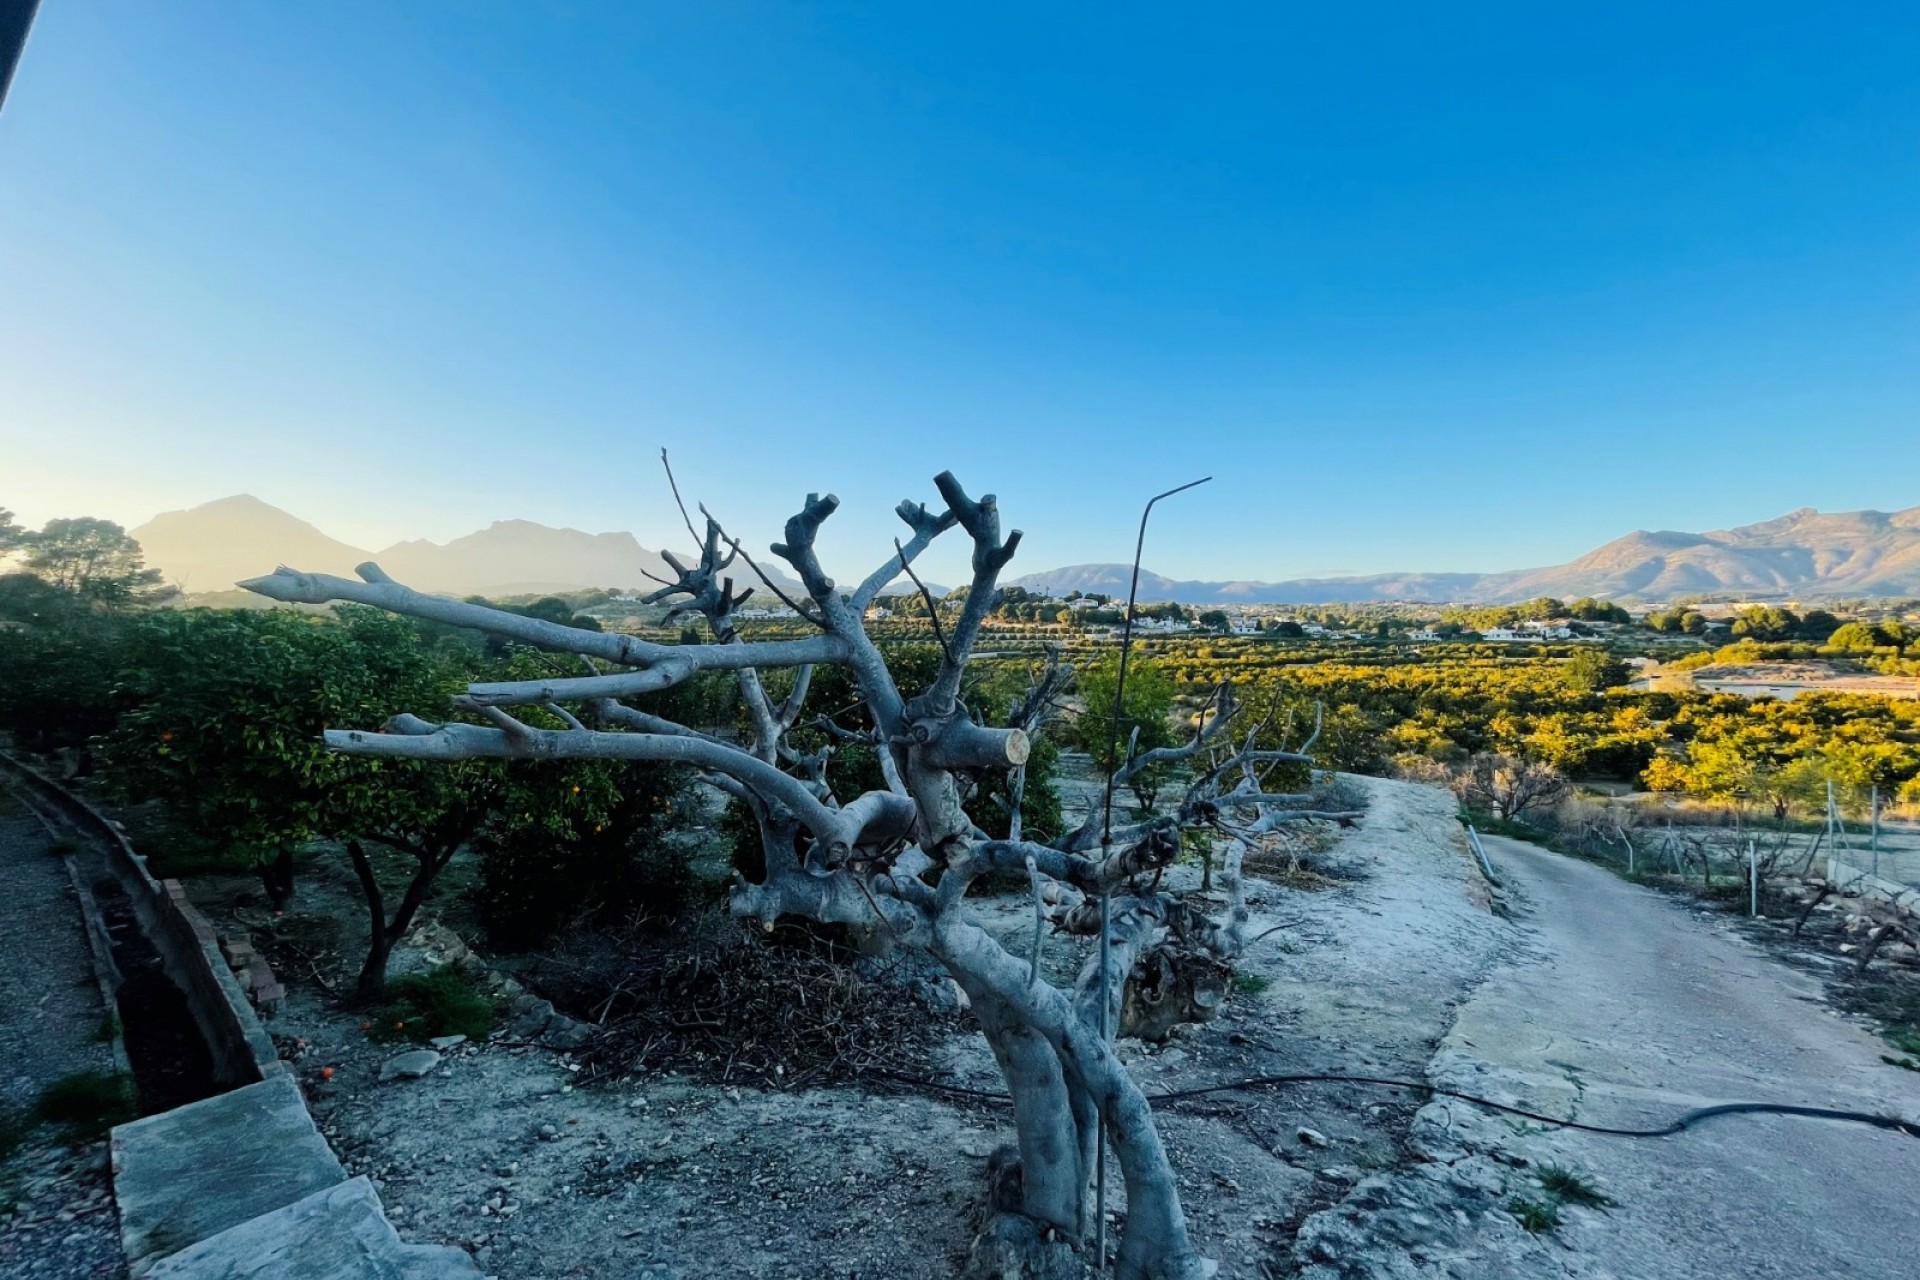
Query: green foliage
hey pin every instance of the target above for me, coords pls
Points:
(421, 1006)
(1568, 1187)
(1250, 984)
(86, 1104)
(581, 841)
(1593, 670)
(1149, 703)
(1560, 1187)
(94, 561)
(1536, 1216)
(1678, 621)
(59, 654)
(1587, 609)
(1866, 637)
(223, 718)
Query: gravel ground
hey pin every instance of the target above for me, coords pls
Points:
(56, 1208)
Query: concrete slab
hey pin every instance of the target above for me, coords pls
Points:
(193, 1172)
(339, 1233)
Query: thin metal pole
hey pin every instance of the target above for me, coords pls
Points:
(1873, 838)
(1753, 875)
(1106, 851)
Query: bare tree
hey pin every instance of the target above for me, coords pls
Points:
(899, 861)
(1507, 787)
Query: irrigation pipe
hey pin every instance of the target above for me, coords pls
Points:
(1686, 1119)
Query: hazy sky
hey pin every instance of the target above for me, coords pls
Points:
(1425, 286)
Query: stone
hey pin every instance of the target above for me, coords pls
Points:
(338, 1233)
(1313, 1137)
(195, 1171)
(410, 1065)
(562, 1032)
(530, 1016)
(443, 1043)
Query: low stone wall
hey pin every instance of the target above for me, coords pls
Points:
(189, 948)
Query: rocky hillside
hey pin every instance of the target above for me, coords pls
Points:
(1805, 553)
(210, 547)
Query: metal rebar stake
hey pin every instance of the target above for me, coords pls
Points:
(1106, 851)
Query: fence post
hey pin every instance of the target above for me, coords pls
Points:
(1753, 875)
(1873, 839)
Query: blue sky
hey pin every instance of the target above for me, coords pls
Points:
(1423, 286)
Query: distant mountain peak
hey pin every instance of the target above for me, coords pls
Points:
(1803, 553)
(214, 545)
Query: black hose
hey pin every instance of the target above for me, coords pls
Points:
(1685, 1120)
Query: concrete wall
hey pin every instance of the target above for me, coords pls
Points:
(189, 948)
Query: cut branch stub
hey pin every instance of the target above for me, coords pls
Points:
(959, 743)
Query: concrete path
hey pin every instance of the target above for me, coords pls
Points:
(1624, 1007)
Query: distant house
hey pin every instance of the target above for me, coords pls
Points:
(1425, 635)
(1244, 626)
(1503, 634)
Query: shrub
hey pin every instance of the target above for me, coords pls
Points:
(584, 843)
(421, 1006)
(86, 1104)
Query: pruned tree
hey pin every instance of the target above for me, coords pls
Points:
(1507, 786)
(898, 861)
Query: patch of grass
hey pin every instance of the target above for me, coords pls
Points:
(14, 1128)
(109, 1028)
(86, 1104)
(1512, 828)
(62, 846)
(1567, 1187)
(1537, 1216)
(1250, 984)
(421, 1006)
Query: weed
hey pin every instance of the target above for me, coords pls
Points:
(1250, 984)
(421, 1006)
(1536, 1216)
(14, 1128)
(63, 846)
(1568, 1187)
(86, 1104)
(108, 1029)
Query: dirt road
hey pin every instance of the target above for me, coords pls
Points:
(1623, 1007)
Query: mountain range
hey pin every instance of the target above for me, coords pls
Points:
(210, 547)
(1805, 553)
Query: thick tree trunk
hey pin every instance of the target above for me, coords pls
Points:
(276, 878)
(1154, 1244)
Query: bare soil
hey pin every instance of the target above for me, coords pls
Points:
(502, 1150)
